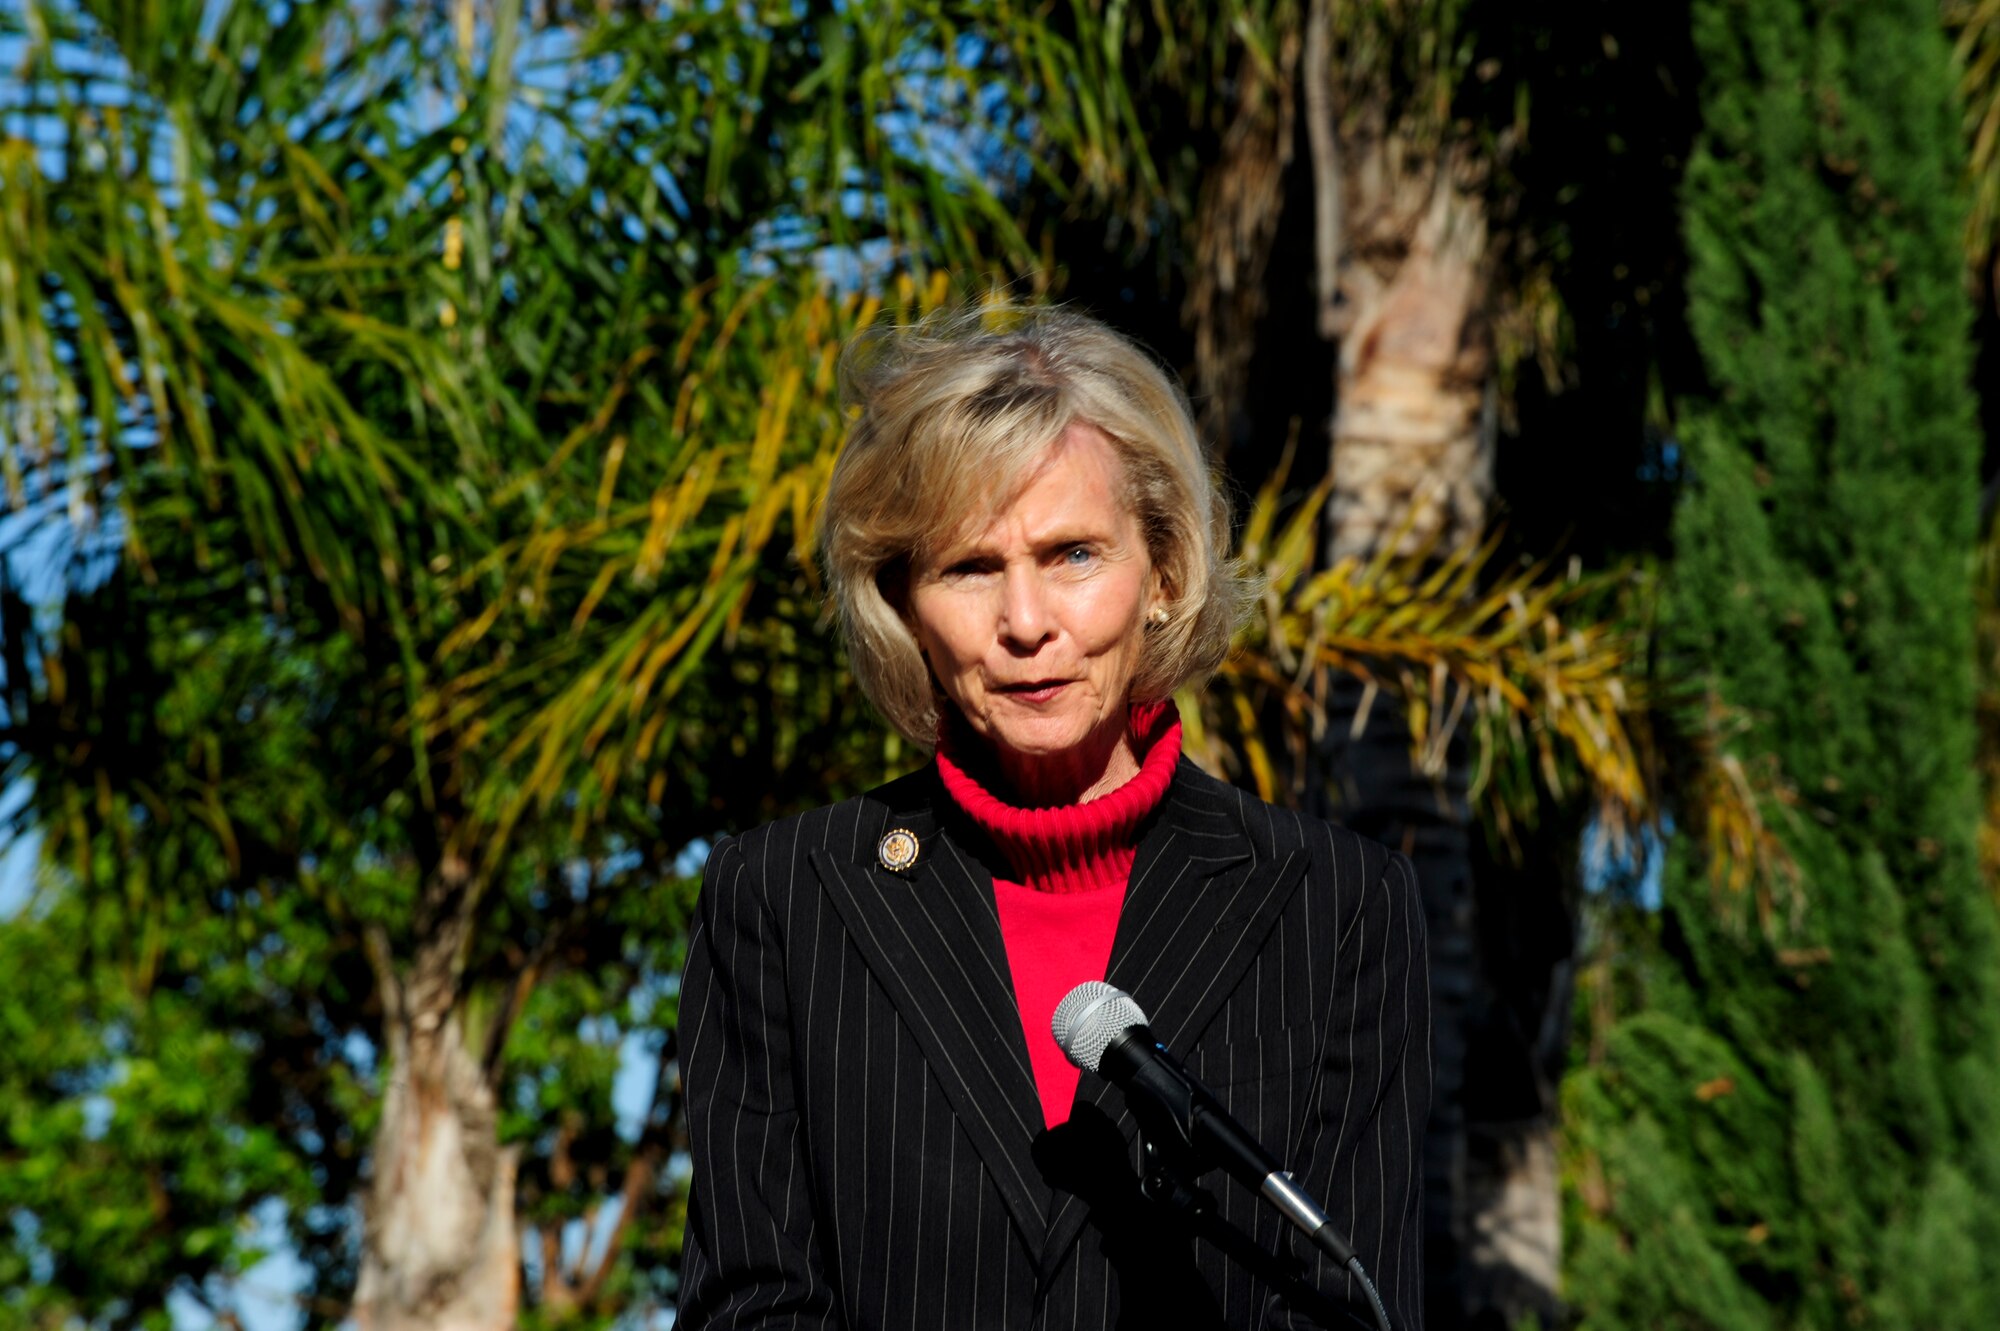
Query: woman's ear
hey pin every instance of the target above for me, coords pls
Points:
(1159, 595)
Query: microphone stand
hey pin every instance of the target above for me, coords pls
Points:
(1200, 1133)
(1171, 1183)
(1168, 1181)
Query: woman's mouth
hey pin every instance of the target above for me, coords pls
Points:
(1035, 691)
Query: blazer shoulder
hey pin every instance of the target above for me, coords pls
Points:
(1338, 853)
(1360, 876)
(1341, 845)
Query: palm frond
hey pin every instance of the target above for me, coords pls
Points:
(643, 578)
(1540, 664)
(1976, 26)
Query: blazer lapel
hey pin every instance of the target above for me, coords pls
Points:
(1203, 898)
(932, 938)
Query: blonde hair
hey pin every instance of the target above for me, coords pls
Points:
(955, 413)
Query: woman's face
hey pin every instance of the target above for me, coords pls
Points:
(1034, 625)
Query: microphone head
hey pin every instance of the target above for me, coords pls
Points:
(1089, 1018)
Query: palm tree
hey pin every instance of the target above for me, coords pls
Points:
(476, 375)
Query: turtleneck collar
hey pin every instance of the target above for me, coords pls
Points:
(1071, 847)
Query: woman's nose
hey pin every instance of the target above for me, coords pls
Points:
(1025, 618)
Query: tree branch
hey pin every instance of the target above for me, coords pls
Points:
(1323, 133)
(638, 1174)
(532, 971)
(555, 1286)
(510, 1012)
(375, 943)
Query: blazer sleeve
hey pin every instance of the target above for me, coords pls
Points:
(750, 1258)
(1366, 1122)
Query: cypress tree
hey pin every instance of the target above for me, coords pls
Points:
(1799, 1127)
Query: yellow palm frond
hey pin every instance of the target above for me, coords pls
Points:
(1976, 26)
(1543, 665)
(1449, 638)
(651, 572)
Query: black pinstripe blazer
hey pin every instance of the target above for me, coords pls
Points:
(868, 1147)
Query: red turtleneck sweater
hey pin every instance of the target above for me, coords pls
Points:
(1059, 913)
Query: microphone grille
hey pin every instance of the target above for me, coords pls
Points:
(1089, 1018)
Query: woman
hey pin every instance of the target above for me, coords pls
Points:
(1029, 556)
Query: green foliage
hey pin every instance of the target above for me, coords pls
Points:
(1820, 595)
(1650, 1260)
(140, 1124)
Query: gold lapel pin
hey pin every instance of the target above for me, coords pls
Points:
(898, 849)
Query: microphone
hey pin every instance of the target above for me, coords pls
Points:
(1100, 1029)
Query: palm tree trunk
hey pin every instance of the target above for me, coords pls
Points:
(440, 1248)
(1411, 463)
(1412, 439)
(1512, 1256)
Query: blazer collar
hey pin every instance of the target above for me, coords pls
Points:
(1203, 895)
